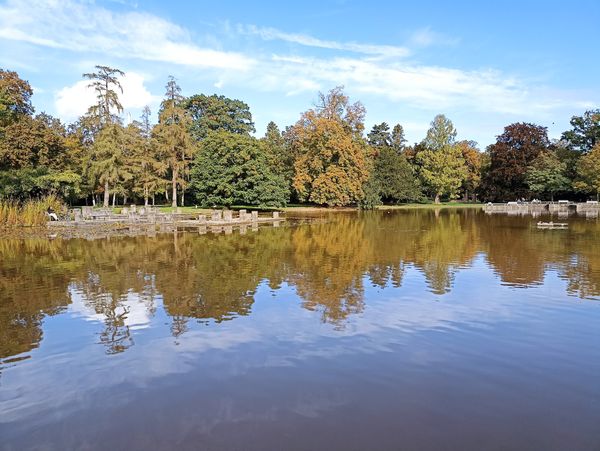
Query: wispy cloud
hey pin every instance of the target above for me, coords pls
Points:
(389, 75)
(82, 27)
(271, 34)
(425, 37)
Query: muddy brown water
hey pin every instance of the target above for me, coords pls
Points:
(405, 330)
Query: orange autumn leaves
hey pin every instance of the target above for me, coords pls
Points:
(332, 162)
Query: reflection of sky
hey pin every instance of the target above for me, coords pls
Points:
(70, 372)
(135, 311)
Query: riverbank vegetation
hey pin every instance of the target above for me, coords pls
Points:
(29, 213)
(202, 150)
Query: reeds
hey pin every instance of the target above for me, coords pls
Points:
(31, 213)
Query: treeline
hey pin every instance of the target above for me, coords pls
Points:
(202, 151)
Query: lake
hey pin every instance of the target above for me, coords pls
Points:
(393, 330)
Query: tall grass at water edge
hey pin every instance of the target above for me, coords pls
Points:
(31, 213)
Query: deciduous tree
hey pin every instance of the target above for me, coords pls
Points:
(15, 97)
(211, 113)
(588, 173)
(585, 133)
(546, 175)
(441, 165)
(510, 157)
(233, 169)
(332, 163)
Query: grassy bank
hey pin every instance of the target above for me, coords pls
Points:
(31, 213)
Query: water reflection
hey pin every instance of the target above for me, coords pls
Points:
(120, 282)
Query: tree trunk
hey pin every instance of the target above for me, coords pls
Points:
(174, 188)
(93, 200)
(145, 197)
(437, 198)
(153, 196)
(182, 197)
(167, 193)
(114, 198)
(125, 200)
(106, 194)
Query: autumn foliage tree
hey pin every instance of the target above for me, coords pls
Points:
(510, 158)
(332, 163)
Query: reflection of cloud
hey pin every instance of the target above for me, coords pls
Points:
(131, 308)
(277, 334)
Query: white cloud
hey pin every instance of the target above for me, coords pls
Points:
(73, 101)
(425, 37)
(84, 27)
(270, 34)
(381, 74)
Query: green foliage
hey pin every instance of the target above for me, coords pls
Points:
(278, 153)
(212, 113)
(546, 175)
(588, 172)
(173, 138)
(323, 158)
(440, 135)
(395, 177)
(233, 169)
(441, 164)
(380, 136)
(372, 193)
(585, 133)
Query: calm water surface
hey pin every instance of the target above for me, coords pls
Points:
(409, 330)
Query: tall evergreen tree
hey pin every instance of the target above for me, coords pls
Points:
(173, 138)
(105, 82)
(380, 136)
(398, 139)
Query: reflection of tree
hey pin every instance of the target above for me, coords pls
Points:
(216, 277)
(31, 286)
(513, 250)
(449, 242)
(116, 335)
(328, 262)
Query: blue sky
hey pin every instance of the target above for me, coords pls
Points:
(483, 65)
